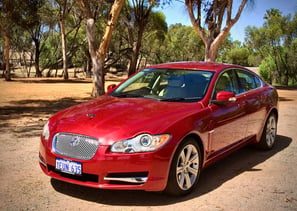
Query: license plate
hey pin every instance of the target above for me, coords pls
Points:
(69, 167)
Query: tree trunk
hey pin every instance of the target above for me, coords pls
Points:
(64, 49)
(101, 53)
(37, 56)
(98, 54)
(135, 52)
(215, 33)
(211, 48)
(7, 74)
(98, 77)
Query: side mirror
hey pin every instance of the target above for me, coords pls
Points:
(223, 97)
(111, 87)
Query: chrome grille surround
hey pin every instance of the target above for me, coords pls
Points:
(75, 146)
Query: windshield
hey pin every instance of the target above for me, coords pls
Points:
(166, 85)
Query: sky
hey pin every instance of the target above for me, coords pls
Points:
(251, 15)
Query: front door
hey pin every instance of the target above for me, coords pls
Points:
(228, 121)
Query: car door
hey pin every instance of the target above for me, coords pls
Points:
(251, 87)
(228, 121)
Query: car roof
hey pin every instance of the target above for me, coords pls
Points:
(213, 66)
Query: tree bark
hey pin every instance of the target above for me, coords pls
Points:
(214, 35)
(135, 52)
(64, 48)
(98, 77)
(5, 28)
(98, 54)
(101, 53)
(7, 74)
(37, 56)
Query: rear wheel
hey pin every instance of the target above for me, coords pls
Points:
(269, 133)
(185, 168)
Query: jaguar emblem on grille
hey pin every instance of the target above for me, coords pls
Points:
(75, 141)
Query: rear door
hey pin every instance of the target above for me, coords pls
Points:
(252, 88)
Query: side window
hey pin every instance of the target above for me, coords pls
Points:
(226, 82)
(247, 81)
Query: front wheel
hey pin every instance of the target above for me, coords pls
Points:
(269, 133)
(185, 168)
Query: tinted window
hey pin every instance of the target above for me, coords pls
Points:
(226, 82)
(247, 81)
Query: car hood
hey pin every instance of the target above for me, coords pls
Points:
(112, 119)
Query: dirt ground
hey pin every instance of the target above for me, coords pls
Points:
(246, 180)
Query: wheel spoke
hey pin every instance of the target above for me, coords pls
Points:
(194, 159)
(182, 157)
(188, 181)
(179, 170)
(193, 171)
(189, 152)
(181, 179)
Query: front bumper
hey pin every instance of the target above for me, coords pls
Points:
(107, 170)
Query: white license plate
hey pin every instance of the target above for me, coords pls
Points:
(69, 167)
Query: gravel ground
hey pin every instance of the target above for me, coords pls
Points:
(248, 179)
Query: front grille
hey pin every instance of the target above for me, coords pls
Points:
(75, 146)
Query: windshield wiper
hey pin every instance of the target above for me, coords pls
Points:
(127, 95)
(174, 99)
(180, 99)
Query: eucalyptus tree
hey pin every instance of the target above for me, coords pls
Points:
(184, 44)
(208, 18)
(7, 16)
(64, 7)
(139, 24)
(68, 18)
(275, 40)
(154, 38)
(37, 21)
(136, 13)
(98, 54)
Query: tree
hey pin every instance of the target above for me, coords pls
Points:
(98, 54)
(64, 7)
(238, 55)
(137, 17)
(36, 20)
(266, 68)
(6, 20)
(182, 44)
(275, 39)
(216, 11)
(154, 39)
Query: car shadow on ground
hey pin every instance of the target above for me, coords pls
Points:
(213, 177)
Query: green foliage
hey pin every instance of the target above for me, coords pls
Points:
(266, 69)
(238, 56)
(275, 39)
(181, 44)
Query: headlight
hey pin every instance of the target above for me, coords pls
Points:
(45, 132)
(140, 143)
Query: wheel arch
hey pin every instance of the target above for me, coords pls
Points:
(274, 111)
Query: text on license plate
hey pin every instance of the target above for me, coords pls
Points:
(67, 166)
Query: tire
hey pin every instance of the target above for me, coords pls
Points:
(269, 133)
(185, 169)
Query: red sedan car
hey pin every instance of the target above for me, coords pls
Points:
(159, 128)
